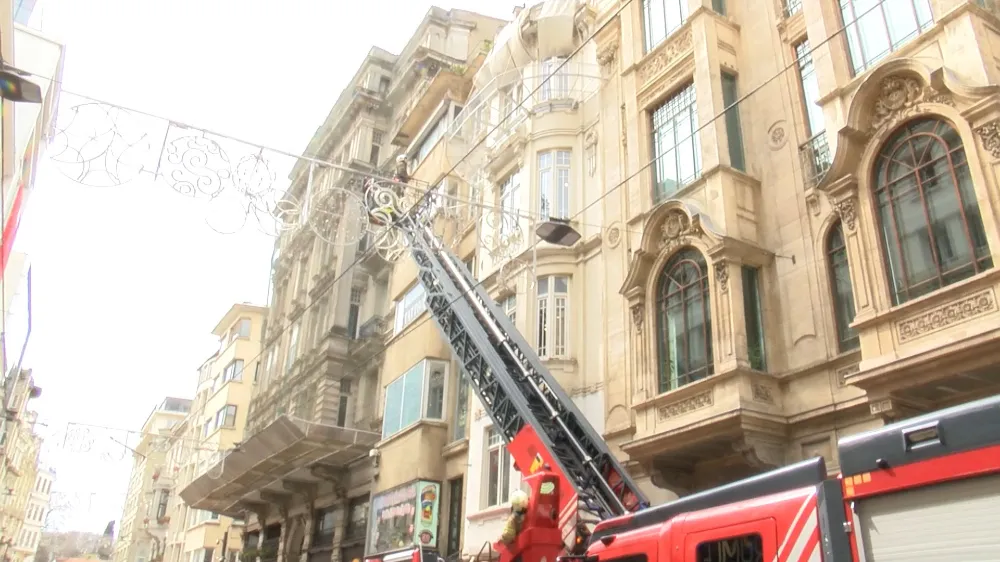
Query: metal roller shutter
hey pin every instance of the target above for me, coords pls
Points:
(955, 521)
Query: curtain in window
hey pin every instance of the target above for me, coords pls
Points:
(684, 331)
(929, 219)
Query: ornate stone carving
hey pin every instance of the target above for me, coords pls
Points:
(624, 127)
(777, 137)
(848, 213)
(844, 372)
(722, 275)
(989, 134)
(760, 455)
(677, 229)
(637, 313)
(608, 55)
(666, 56)
(812, 202)
(762, 393)
(901, 97)
(941, 317)
(681, 407)
(614, 236)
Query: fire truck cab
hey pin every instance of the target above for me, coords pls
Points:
(927, 488)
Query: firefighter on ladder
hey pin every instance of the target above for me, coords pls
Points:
(518, 509)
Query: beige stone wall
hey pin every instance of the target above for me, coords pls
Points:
(776, 215)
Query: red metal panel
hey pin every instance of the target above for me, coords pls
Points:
(967, 464)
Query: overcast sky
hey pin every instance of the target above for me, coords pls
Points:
(129, 281)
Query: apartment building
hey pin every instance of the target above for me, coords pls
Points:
(35, 514)
(20, 446)
(315, 419)
(144, 520)
(792, 271)
(214, 426)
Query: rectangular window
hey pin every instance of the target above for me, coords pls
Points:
(557, 86)
(323, 527)
(719, 7)
(660, 18)
(293, 347)
(354, 312)
(675, 144)
(342, 407)
(431, 137)
(730, 94)
(553, 311)
(497, 470)
(509, 198)
(161, 509)
(418, 394)
(461, 406)
(754, 315)
(509, 306)
(233, 371)
(373, 158)
(815, 120)
(553, 184)
(412, 305)
(455, 519)
(746, 547)
(226, 416)
(876, 29)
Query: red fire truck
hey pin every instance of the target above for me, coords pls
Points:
(924, 489)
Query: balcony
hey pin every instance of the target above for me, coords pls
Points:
(714, 430)
(436, 75)
(371, 338)
(286, 456)
(500, 113)
(816, 159)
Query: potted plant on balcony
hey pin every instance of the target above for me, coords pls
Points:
(249, 554)
(163, 520)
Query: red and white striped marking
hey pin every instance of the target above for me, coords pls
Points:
(801, 542)
(567, 520)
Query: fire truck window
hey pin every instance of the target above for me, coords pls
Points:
(746, 548)
(630, 558)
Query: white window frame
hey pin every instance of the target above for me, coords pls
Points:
(552, 317)
(410, 307)
(226, 417)
(557, 86)
(293, 346)
(509, 306)
(422, 368)
(436, 129)
(892, 32)
(233, 371)
(555, 172)
(510, 193)
(495, 445)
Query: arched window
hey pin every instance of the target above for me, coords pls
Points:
(841, 289)
(684, 321)
(929, 221)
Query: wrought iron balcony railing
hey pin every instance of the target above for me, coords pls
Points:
(816, 159)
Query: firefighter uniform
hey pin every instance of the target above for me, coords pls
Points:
(518, 509)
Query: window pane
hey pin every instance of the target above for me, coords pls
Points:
(876, 28)
(843, 292)
(413, 389)
(684, 331)
(729, 97)
(754, 318)
(393, 408)
(675, 144)
(435, 392)
(930, 223)
(461, 406)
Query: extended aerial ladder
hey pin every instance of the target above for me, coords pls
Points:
(533, 414)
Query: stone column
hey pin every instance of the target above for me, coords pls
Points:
(338, 532)
(307, 536)
(282, 533)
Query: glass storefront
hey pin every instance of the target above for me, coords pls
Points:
(405, 516)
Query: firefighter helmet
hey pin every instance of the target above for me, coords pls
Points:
(519, 501)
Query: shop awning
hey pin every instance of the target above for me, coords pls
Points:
(284, 448)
